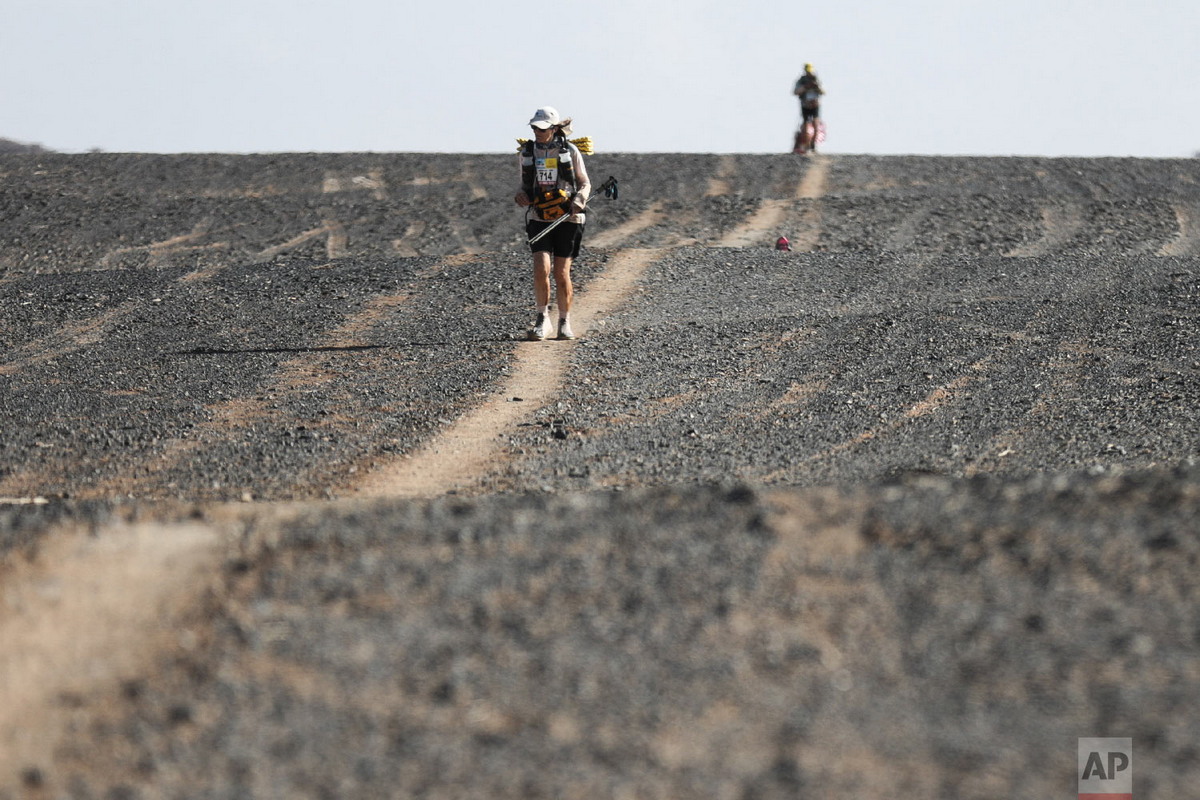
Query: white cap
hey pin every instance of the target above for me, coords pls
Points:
(545, 117)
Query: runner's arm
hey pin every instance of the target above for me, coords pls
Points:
(583, 187)
(522, 197)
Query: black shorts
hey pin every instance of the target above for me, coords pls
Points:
(562, 242)
(810, 113)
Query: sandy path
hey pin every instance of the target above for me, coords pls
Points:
(1187, 240)
(69, 338)
(759, 229)
(1059, 226)
(654, 215)
(807, 231)
(86, 612)
(719, 183)
(812, 185)
(469, 448)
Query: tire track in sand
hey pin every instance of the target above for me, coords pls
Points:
(718, 184)
(654, 215)
(1059, 226)
(772, 212)
(71, 337)
(1187, 240)
(469, 448)
(85, 613)
(811, 189)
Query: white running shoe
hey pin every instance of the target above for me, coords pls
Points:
(540, 329)
(564, 329)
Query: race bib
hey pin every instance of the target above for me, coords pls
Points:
(547, 170)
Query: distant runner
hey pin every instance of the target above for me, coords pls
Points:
(811, 131)
(808, 89)
(554, 182)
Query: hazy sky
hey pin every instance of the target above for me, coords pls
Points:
(1028, 77)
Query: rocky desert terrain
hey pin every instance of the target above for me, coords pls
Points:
(289, 508)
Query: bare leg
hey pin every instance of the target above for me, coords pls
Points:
(565, 292)
(541, 279)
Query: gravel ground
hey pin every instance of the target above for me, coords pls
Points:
(907, 512)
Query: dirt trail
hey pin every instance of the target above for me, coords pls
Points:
(70, 338)
(758, 227)
(807, 230)
(652, 216)
(719, 183)
(1187, 239)
(772, 212)
(86, 612)
(468, 449)
(812, 185)
(1059, 226)
(330, 229)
